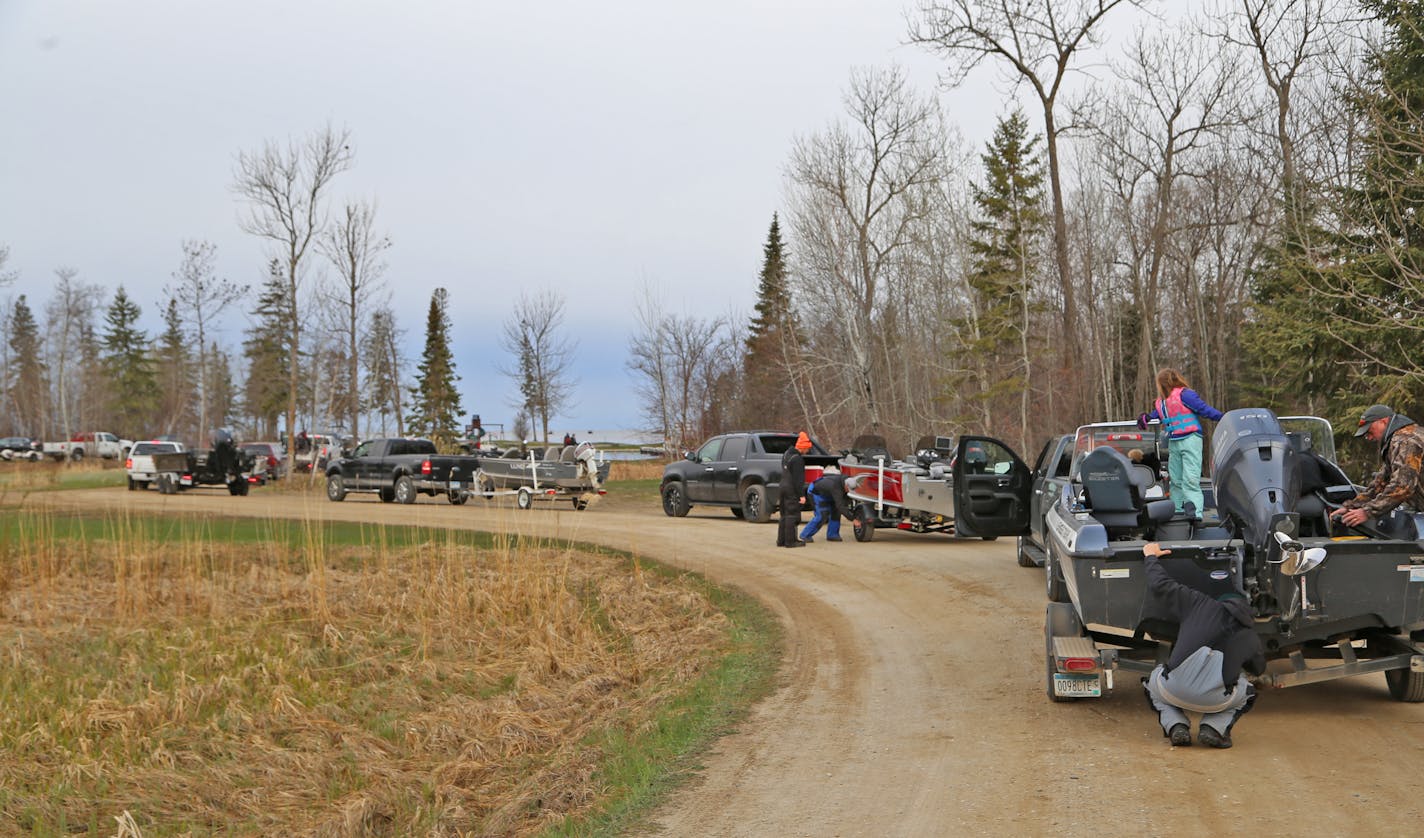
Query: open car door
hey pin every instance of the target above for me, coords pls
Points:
(992, 487)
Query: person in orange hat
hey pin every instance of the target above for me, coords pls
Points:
(793, 492)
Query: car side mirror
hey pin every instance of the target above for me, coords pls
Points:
(688, 455)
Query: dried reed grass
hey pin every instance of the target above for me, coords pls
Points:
(196, 686)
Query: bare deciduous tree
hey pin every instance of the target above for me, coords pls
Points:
(354, 248)
(677, 362)
(286, 188)
(543, 356)
(857, 191)
(202, 297)
(1039, 41)
(69, 318)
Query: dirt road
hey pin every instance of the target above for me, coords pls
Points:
(913, 698)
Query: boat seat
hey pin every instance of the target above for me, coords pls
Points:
(567, 455)
(1114, 489)
(511, 454)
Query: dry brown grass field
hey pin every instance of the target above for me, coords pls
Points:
(189, 680)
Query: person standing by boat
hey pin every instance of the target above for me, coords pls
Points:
(1181, 410)
(793, 492)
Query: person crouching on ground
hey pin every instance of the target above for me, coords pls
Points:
(1216, 640)
(830, 500)
(793, 491)
(1181, 410)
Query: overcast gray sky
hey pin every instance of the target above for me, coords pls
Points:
(586, 147)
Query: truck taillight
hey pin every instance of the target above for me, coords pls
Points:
(128, 463)
(425, 467)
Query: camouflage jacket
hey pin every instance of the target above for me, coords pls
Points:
(1398, 481)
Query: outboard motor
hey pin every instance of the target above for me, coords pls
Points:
(1257, 477)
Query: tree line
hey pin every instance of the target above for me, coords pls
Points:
(322, 349)
(1237, 196)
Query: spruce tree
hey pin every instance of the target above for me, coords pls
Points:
(176, 382)
(1004, 246)
(264, 394)
(28, 386)
(435, 401)
(772, 341)
(132, 381)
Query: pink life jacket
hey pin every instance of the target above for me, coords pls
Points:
(1179, 419)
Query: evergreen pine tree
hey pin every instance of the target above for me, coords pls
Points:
(264, 394)
(998, 338)
(174, 367)
(128, 368)
(28, 385)
(435, 401)
(773, 339)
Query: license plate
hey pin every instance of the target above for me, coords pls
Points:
(454, 484)
(185, 481)
(1077, 686)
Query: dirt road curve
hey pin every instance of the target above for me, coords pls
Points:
(913, 699)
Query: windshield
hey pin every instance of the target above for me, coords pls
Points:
(1126, 437)
(781, 443)
(1310, 433)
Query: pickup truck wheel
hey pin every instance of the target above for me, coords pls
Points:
(77, 454)
(1025, 560)
(675, 503)
(1053, 576)
(405, 489)
(580, 504)
(1405, 684)
(335, 488)
(387, 494)
(755, 509)
(864, 523)
(738, 513)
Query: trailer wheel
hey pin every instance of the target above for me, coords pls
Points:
(1405, 684)
(580, 504)
(864, 523)
(457, 497)
(1053, 576)
(405, 489)
(675, 503)
(335, 488)
(524, 499)
(755, 509)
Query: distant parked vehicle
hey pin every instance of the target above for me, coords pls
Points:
(20, 448)
(272, 453)
(92, 444)
(140, 462)
(738, 470)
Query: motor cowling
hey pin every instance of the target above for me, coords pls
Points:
(1256, 473)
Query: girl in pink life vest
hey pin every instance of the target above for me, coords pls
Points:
(1181, 410)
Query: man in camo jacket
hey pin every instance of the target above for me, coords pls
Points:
(1397, 482)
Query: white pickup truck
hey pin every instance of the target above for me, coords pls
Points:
(139, 463)
(95, 444)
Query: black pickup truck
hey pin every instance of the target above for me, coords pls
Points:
(741, 471)
(400, 469)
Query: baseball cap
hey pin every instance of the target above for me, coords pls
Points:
(1372, 413)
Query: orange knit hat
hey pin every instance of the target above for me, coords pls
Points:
(803, 442)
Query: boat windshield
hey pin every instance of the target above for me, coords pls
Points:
(1126, 437)
(1310, 433)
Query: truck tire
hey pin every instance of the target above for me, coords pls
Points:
(335, 488)
(1057, 590)
(1405, 684)
(1025, 560)
(77, 454)
(755, 508)
(405, 489)
(387, 494)
(456, 497)
(675, 503)
(133, 484)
